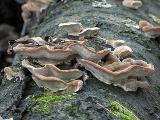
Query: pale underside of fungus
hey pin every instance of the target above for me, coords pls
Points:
(133, 4)
(54, 79)
(119, 73)
(148, 28)
(77, 29)
(44, 61)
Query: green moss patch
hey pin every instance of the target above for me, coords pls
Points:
(110, 96)
(74, 110)
(47, 101)
(157, 88)
(155, 18)
(122, 112)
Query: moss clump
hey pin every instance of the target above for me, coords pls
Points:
(155, 18)
(47, 101)
(110, 95)
(74, 110)
(122, 112)
(157, 88)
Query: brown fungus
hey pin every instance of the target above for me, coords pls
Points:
(89, 32)
(115, 43)
(11, 73)
(72, 28)
(133, 4)
(44, 51)
(120, 74)
(88, 53)
(52, 78)
(148, 28)
(122, 51)
(132, 84)
(77, 29)
(105, 65)
(34, 6)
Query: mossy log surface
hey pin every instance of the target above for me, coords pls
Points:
(116, 22)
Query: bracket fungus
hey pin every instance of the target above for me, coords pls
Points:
(33, 6)
(88, 53)
(152, 30)
(122, 51)
(135, 62)
(11, 73)
(110, 58)
(77, 29)
(44, 51)
(89, 32)
(54, 79)
(115, 43)
(133, 4)
(35, 40)
(72, 28)
(119, 75)
(132, 85)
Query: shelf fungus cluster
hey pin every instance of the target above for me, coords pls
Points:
(148, 28)
(133, 4)
(61, 65)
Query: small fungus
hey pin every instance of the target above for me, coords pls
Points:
(11, 73)
(148, 28)
(122, 51)
(89, 32)
(133, 4)
(33, 6)
(77, 29)
(34, 40)
(115, 43)
(132, 85)
(72, 28)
